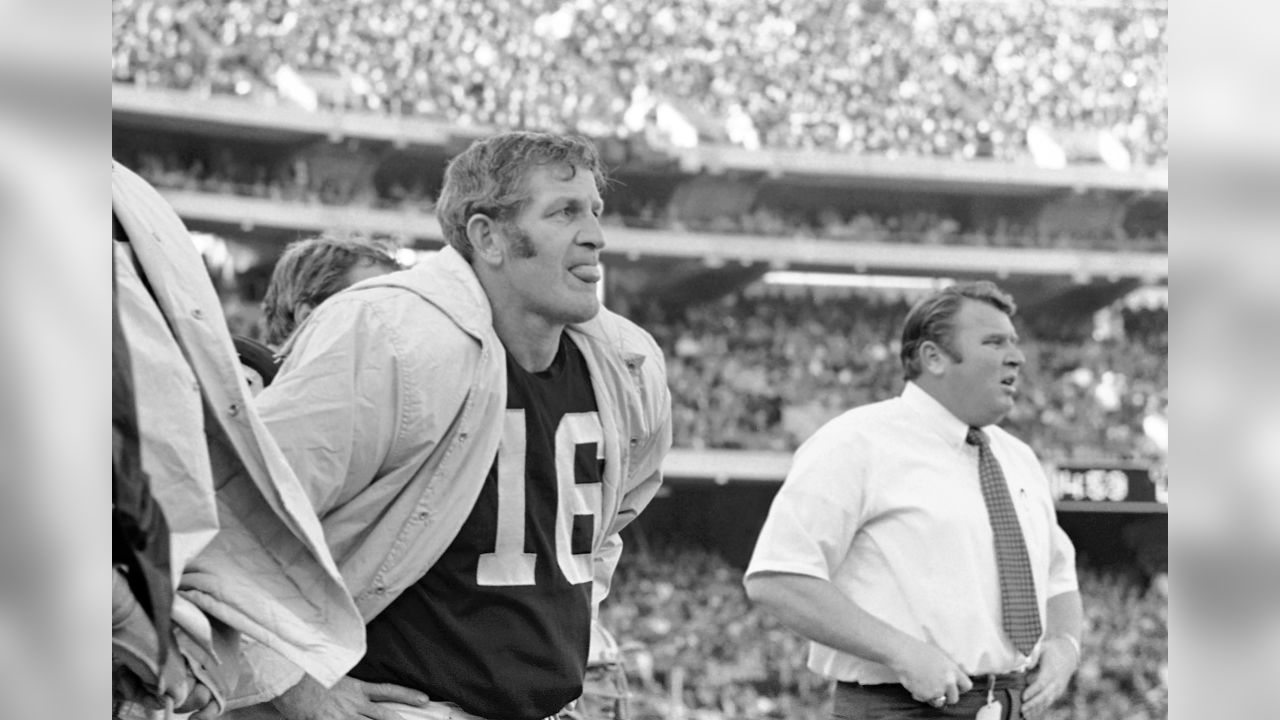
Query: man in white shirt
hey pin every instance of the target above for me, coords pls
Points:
(881, 547)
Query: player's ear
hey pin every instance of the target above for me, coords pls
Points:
(482, 231)
(933, 360)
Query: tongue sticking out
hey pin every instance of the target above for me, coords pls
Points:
(586, 273)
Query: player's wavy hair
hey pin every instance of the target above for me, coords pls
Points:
(490, 177)
(932, 320)
(311, 270)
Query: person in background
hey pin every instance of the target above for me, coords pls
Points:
(309, 272)
(915, 543)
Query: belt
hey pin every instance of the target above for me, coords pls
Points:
(1002, 681)
(437, 710)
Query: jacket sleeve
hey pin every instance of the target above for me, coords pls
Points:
(333, 408)
(645, 468)
(645, 471)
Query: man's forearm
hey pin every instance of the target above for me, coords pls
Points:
(1064, 615)
(815, 609)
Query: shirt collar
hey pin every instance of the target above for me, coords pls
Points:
(934, 415)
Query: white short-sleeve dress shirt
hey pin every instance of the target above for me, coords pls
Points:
(885, 502)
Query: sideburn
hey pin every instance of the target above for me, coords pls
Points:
(521, 242)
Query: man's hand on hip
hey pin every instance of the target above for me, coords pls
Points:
(1058, 660)
(346, 700)
(930, 674)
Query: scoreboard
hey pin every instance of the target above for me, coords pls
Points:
(1110, 488)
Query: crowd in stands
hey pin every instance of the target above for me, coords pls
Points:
(236, 173)
(1125, 668)
(686, 609)
(882, 77)
(765, 370)
(685, 619)
(1087, 400)
(227, 172)
(920, 228)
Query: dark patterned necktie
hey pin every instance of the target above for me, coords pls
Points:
(1017, 586)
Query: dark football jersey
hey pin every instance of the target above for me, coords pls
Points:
(501, 623)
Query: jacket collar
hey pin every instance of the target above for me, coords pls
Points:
(447, 280)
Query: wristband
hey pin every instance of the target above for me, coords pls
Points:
(1075, 643)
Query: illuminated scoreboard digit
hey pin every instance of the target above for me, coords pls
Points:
(1082, 483)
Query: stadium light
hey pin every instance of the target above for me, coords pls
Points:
(847, 280)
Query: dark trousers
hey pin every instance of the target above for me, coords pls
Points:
(894, 702)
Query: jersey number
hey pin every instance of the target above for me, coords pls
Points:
(509, 564)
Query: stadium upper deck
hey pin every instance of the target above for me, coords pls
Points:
(899, 79)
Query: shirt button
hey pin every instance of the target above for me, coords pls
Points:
(635, 442)
(422, 514)
(197, 314)
(462, 436)
(233, 410)
(380, 590)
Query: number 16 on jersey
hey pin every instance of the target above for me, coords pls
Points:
(509, 564)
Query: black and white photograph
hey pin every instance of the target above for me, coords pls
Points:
(627, 360)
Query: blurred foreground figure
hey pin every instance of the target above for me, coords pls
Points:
(916, 544)
(213, 537)
(475, 432)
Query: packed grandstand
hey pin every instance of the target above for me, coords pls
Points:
(905, 77)
(758, 366)
(681, 611)
(219, 169)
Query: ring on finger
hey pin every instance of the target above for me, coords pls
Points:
(939, 701)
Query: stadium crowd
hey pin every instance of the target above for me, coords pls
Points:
(920, 228)
(764, 370)
(882, 77)
(683, 613)
(226, 172)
